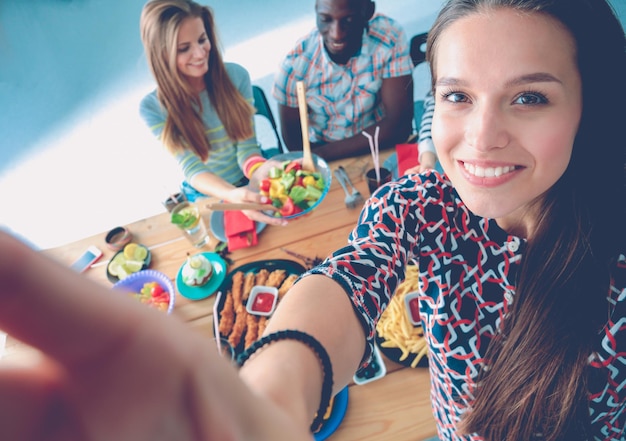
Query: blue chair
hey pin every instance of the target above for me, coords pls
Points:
(263, 109)
(417, 51)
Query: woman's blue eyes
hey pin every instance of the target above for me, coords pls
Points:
(526, 98)
(455, 97)
(531, 98)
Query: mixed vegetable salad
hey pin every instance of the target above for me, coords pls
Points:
(291, 188)
(153, 294)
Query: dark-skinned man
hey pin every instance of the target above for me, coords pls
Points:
(358, 76)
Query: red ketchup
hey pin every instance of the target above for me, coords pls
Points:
(263, 302)
(414, 309)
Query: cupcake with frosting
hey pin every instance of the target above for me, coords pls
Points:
(197, 270)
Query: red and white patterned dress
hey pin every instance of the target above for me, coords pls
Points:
(468, 269)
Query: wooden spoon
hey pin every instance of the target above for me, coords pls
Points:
(307, 159)
(225, 206)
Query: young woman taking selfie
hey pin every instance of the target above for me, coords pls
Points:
(520, 247)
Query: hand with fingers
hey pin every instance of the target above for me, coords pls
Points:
(248, 195)
(113, 369)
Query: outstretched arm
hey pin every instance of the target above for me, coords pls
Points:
(288, 371)
(113, 369)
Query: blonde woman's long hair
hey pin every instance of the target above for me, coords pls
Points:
(184, 130)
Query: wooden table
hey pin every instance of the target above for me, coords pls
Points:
(396, 407)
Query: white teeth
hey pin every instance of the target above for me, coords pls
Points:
(487, 172)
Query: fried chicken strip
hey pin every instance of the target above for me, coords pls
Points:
(248, 284)
(252, 327)
(287, 284)
(261, 326)
(276, 277)
(261, 277)
(239, 327)
(237, 289)
(227, 316)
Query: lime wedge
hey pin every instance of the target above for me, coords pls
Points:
(141, 253)
(132, 266)
(114, 268)
(122, 273)
(195, 262)
(133, 251)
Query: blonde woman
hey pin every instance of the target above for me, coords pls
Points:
(202, 107)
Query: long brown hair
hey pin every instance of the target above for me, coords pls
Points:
(184, 130)
(535, 383)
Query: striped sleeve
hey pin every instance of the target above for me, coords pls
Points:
(425, 140)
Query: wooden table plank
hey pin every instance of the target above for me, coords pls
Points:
(394, 408)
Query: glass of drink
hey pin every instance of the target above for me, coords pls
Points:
(186, 216)
(372, 183)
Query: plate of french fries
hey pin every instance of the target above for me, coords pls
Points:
(397, 338)
(241, 329)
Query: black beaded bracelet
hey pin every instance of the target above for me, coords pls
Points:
(310, 341)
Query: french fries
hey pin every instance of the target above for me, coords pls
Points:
(394, 326)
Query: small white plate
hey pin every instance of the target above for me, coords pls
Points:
(412, 298)
(374, 371)
(255, 292)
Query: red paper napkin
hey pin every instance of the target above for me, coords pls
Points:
(408, 157)
(239, 229)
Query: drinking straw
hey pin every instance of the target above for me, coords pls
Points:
(216, 324)
(376, 133)
(373, 142)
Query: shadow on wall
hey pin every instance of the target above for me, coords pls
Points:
(61, 59)
(57, 56)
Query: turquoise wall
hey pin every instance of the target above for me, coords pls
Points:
(59, 58)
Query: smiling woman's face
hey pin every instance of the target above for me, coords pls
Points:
(193, 48)
(508, 105)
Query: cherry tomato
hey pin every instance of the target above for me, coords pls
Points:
(265, 185)
(162, 300)
(156, 290)
(288, 207)
(293, 165)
